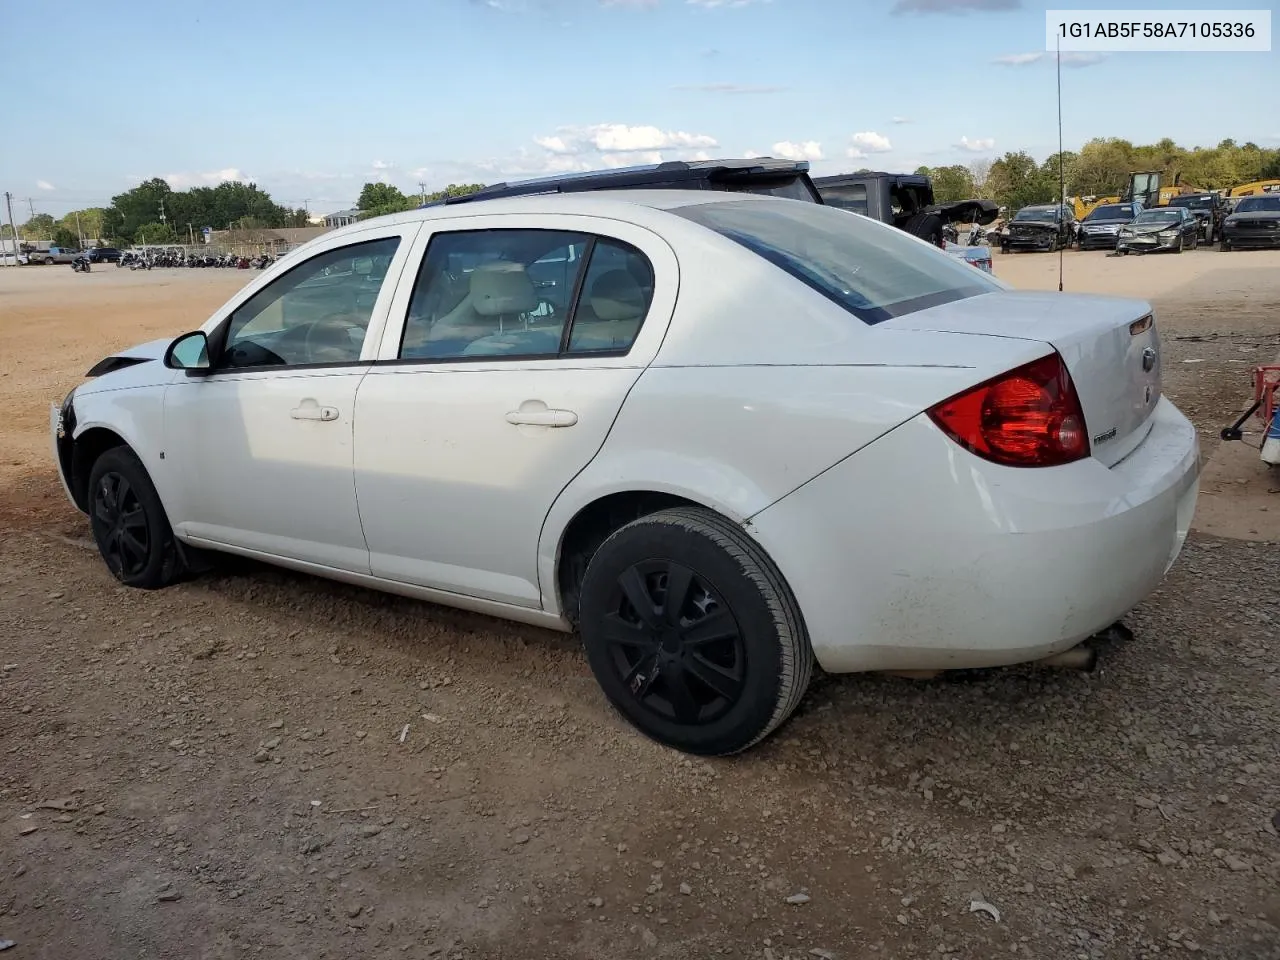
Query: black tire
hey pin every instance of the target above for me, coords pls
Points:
(1182, 242)
(1004, 248)
(1224, 247)
(926, 226)
(129, 523)
(739, 626)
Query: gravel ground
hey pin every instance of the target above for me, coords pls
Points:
(265, 764)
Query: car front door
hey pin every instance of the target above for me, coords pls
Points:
(493, 389)
(263, 441)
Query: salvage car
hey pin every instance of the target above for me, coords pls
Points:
(1172, 229)
(1044, 226)
(1254, 222)
(1208, 208)
(920, 468)
(1100, 229)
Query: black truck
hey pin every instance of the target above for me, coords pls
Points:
(903, 199)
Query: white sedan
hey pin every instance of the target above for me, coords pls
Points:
(724, 436)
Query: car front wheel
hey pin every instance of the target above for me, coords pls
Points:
(129, 522)
(692, 633)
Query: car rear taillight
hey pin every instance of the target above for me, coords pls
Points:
(1028, 417)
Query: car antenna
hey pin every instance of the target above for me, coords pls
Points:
(1062, 177)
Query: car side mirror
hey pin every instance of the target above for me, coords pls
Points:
(190, 352)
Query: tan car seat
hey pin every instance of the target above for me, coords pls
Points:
(613, 314)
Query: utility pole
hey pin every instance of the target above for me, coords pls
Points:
(162, 210)
(79, 230)
(32, 207)
(13, 227)
(423, 187)
(191, 234)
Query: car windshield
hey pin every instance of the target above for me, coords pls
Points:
(874, 271)
(1193, 203)
(1158, 216)
(1112, 211)
(1036, 213)
(1256, 204)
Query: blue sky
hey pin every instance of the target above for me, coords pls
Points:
(310, 100)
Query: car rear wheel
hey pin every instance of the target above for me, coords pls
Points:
(129, 523)
(692, 633)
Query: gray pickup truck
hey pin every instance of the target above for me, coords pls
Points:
(52, 255)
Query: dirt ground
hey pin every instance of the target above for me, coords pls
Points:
(222, 770)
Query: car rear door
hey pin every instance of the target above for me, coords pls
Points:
(462, 443)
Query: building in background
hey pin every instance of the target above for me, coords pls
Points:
(342, 218)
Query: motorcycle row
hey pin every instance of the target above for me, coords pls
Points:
(140, 261)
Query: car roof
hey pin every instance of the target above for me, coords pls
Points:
(638, 177)
(627, 205)
(839, 178)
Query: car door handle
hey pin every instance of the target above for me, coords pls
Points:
(543, 418)
(310, 410)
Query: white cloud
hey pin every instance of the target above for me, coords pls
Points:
(382, 165)
(807, 150)
(869, 141)
(711, 4)
(553, 144)
(45, 185)
(902, 120)
(631, 159)
(184, 181)
(1071, 58)
(621, 138)
(977, 145)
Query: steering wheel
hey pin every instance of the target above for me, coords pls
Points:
(330, 340)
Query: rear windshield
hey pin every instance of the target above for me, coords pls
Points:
(1111, 211)
(1254, 204)
(847, 196)
(1036, 213)
(876, 272)
(789, 188)
(1195, 203)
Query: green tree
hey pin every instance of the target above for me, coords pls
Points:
(951, 183)
(62, 237)
(155, 232)
(377, 199)
(1016, 180)
(39, 227)
(454, 190)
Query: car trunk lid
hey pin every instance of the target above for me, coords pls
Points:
(1110, 346)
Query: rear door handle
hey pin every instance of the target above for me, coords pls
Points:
(310, 410)
(543, 418)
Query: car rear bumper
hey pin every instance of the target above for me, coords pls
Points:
(915, 554)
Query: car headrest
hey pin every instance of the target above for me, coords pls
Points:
(617, 295)
(501, 288)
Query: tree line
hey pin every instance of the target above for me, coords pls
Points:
(377, 199)
(1101, 168)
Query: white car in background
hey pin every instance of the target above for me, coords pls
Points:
(724, 436)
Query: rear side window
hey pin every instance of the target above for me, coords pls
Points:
(873, 271)
(850, 196)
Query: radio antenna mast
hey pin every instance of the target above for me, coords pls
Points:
(1062, 175)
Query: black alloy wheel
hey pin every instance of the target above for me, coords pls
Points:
(120, 526)
(674, 644)
(692, 633)
(129, 523)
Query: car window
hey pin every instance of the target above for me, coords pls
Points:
(317, 313)
(849, 196)
(493, 292)
(616, 294)
(872, 271)
(1258, 204)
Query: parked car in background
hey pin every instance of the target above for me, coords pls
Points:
(634, 463)
(52, 255)
(104, 255)
(1160, 228)
(1209, 210)
(905, 200)
(1255, 222)
(1100, 229)
(1043, 226)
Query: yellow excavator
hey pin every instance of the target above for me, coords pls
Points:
(1254, 188)
(1146, 188)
